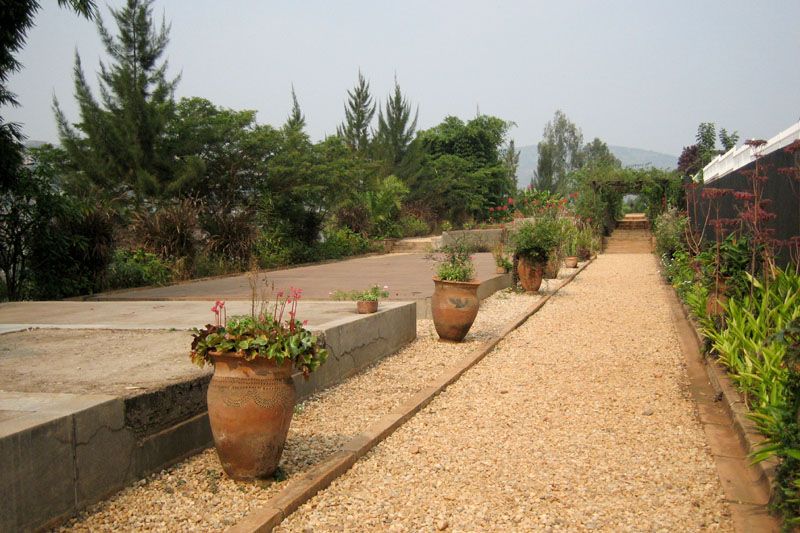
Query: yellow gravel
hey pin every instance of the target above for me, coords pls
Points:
(195, 495)
(579, 420)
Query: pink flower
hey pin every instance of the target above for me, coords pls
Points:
(510, 201)
(305, 322)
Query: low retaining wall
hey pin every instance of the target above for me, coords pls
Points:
(486, 289)
(62, 452)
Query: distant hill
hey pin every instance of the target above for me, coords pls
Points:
(630, 157)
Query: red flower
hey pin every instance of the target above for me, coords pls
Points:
(510, 201)
(491, 209)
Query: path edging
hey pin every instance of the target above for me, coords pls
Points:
(319, 477)
(746, 430)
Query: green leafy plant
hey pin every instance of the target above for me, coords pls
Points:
(501, 260)
(373, 294)
(536, 240)
(669, 229)
(265, 333)
(456, 265)
(135, 268)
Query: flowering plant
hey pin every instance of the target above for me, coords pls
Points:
(274, 332)
(373, 294)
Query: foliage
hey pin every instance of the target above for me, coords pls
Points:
(169, 231)
(358, 111)
(462, 172)
(413, 226)
(230, 235)
(501, 260)
(16, 18)
(341, 242)
(395, 129)
(669, 229)
(456, 265)
(536, 240)
(560, 153)
(70, 250)
(135, 268)
(263, 334)
(373, 294)
(384, 204)
(117, 146)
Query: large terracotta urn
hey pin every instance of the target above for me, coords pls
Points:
(250, 406)
(454, 306)
(530, 274)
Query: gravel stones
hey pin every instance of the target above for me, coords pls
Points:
(195, 495)
(568, 446)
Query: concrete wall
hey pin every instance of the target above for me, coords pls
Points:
(62, 452)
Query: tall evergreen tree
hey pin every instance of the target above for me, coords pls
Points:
(296, 120)
(118, 144)
(597, 153)
(395, 128)
(511, 159)
(358, 111)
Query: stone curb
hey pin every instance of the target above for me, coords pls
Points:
(746, 430)
(299, 491)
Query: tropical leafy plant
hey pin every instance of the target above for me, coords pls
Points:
(265, 333)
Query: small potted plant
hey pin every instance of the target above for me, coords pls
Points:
(455, 301)
(366, 301)
(502, 262)
(534, 245)
(251, 395)
(571, 247)
(585, 243)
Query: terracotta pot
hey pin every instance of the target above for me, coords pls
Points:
(530, 274)
(551, 268)
(500, 270)
(250, 406)
(366, 307)
(571, 261)
(454, 306)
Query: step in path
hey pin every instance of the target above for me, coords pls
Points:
(580, 419)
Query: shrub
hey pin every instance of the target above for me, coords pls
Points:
(71, 252)
(342, 242)
(669, 229)
(169, 232)
(411, 226)
(136, 268)
(536, 240)
(231, 236)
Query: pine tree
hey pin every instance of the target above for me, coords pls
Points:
(296, 120)
(395, 128)
(358, 111)
(118, 145)
(511, 159)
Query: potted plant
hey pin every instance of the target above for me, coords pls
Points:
(455, 302)
(502, 262)
(366, 301)
(571, 247)
(251, 395)
(585, 243)
(534, 244)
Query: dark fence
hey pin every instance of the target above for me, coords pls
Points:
(781, 189)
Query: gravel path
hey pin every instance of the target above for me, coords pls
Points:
(579, 420)
(195, 495)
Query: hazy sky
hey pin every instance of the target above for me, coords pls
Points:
(634, 73)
